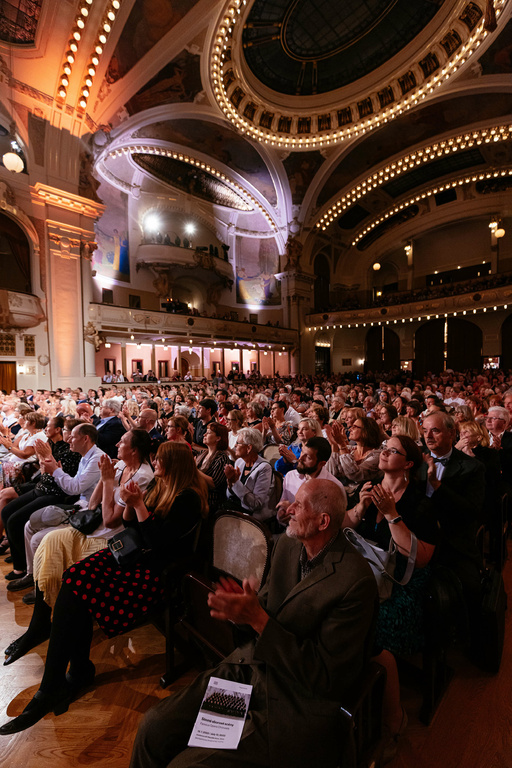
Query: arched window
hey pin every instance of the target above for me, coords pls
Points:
(14, 257)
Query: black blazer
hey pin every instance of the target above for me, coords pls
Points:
(109, 435)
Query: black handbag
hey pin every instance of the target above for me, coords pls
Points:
(86, 520)
(127, 547)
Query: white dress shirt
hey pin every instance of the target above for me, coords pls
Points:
(86, 478)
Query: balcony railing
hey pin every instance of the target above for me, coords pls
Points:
(120, 322)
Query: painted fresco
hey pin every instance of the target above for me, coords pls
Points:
(300, 169)
(219, 142)
(497, 60)
(148, 23)
(111, 259)
(257, 263)
(179, 81)
(412, 129)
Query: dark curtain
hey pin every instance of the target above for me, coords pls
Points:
(8, 376)
(378, 359)
(429, 348)
(464, 347)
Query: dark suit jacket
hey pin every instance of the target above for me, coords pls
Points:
(109, 435)
(458, 504)
(505, 456)
(311, 653)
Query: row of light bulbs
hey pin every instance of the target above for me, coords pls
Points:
(404, 320)
(236, 348)
(149, 150)
(223, 42)
(405, 164)
(457, 182)
(101, 39)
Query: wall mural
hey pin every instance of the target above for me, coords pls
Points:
(300, 169)
(179, 81)
(148, 23)
(257, 263)
(111, 259)
(220, 143)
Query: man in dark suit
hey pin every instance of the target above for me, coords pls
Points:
(456, 484)
(147, 420)
(312, 624)
(110, 427)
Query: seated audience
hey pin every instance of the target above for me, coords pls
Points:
(312, 631)
(276, 430)
(167, 517)
(289, 455)
(211, 463)
(357, 463)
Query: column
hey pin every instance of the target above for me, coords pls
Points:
(153, 359)
(223, 361)
(180, 375)
(202, 362)
(123, 361)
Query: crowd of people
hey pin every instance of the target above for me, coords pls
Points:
(411, 465)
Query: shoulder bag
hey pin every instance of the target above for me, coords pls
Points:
(86, 520)
(127, 547)
(383, 562)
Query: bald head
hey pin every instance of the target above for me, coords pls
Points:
(316, 515)
(147, 419)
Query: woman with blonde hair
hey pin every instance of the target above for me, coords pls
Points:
(403, 425)
(178, 430)
(118, 597)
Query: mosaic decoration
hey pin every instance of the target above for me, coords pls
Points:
(257, 263)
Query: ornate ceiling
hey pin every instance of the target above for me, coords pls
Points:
(337, 120)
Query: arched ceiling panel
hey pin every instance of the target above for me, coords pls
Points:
(179, 81)
(220, 142)
(412, 129)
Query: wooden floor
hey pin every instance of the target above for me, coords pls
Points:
(472, 727)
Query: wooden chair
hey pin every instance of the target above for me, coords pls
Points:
(241, 549)
(271, 454)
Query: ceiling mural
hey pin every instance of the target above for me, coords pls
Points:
(191, 180)
(19, 20)
(177, 82)
(221, 143)
(148, 23)
(497, 59)
(300, 169)
(412, 129)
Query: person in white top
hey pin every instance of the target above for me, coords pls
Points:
(315, 454)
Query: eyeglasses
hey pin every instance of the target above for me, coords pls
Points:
(392, 451)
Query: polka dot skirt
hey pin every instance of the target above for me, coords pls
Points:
(117, 598)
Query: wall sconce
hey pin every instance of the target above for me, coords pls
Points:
(376, 266)
(21, 368)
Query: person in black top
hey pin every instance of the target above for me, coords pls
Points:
(206, 410)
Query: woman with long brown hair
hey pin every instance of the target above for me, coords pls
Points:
(211, 463)
(118, 597)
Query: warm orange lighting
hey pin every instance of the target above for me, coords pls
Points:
(70, 58)
(74, 48)
(83, 103)
(102, 39)
(92, 71)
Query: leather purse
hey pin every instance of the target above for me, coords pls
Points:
(86, 520)
(127, 547)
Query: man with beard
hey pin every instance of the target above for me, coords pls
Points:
(315, 454)
(312, 632)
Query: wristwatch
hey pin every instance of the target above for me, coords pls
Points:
(395, 520)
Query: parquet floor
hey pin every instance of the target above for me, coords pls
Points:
(472, 727)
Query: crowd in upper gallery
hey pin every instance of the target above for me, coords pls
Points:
(414, 459)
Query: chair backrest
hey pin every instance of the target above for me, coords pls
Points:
(241, 547)
(271, 454)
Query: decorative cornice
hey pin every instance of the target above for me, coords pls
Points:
(60, 199)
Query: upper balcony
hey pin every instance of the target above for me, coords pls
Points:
(492, 293)
(119, 323)
(162, 256)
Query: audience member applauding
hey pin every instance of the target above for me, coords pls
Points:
(289, 455)
(358, 463)
(250, 481)
(167, 517)
(276, 430)
(211, 463)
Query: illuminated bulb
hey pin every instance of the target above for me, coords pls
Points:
(116, 4)
(99, 50)
(80, 23)
(67, 69)
(64, 82)
(107, 27)
(62, 93)
(77, 35)
(73, 47)
(70, 58)
(111, 15)
(84, 11)
(92, 71)
(103, 39)
(83, 103)
(88, 81)
(85, 93)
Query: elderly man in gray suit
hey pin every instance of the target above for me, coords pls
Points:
(312, 624)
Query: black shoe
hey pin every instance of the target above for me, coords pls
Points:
(30, 597)
(24, 645)
(24, 582)
(35, 710)
(8, 559)
(12, 646)
(4, 545)
(13, 576)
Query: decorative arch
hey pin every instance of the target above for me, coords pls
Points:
(15, 269)
(463, 346)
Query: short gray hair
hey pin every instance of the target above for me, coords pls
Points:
(498, 410)
(113, 404)
(249, 436)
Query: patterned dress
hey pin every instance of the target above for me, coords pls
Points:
(400, 618)
(120, 598)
